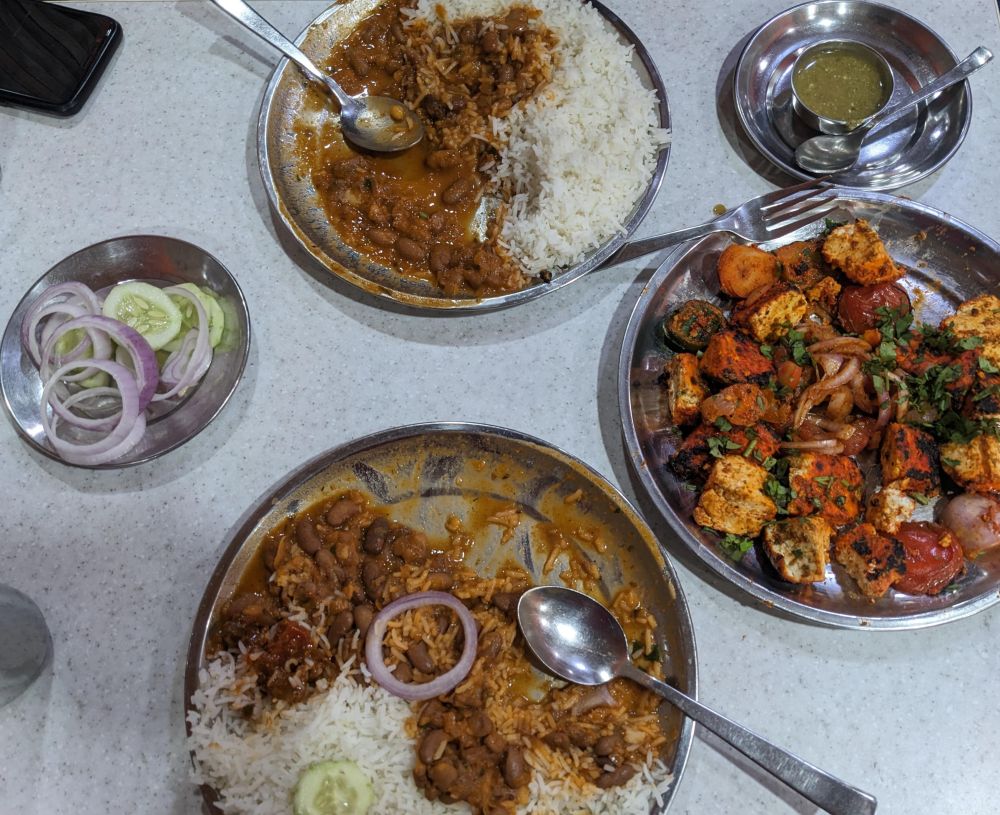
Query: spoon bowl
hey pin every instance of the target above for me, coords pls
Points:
(377, 123)
(824, 155)
(578, 639)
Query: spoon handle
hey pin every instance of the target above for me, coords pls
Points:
(828, 793)
(972, 63)
(245, 15)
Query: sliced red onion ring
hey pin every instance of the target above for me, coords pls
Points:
(64, 295)
(200, 356)
(62, 408)
(124, 435)
(442, 684)
(146, 375)
(54, 316)
(99, 343)
(832, 446)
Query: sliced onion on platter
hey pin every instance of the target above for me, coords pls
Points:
(145, 371)
(129, 428)
(198, 358)
(974, 520)
(413, 692)
(60, 297)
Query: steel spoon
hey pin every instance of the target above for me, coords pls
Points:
(834, 154)
(377, 123)
(578, 639)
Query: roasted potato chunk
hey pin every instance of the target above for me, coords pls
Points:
(909, 458)
(979, 317)
(975, 465)
(771, 312)
(743, 269)
(858, 251)
(732, 358)
(733, 499)
(825, 485)
(889, 507)
(694, 458)
(799, 548)
(873, 560)
(685, 390)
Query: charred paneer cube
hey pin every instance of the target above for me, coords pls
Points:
(733, 500)
(889, 507)
(858, 251)
(732, 358)
(770, 313)
(743, 269)
(707, 442)
(685, 389)
(874, 561)
(979, 317)
(974, 464)
(909, 458)
(799, 548)
(825, 485)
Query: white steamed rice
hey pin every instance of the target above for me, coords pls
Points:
(254, 767)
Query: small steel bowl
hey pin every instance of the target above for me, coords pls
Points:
(154, 259)
(825, 124)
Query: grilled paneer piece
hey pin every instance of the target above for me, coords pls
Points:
(799, 548)
(979, 317)
(858, 251)
(888, 508)
(983, 400)
(743, 269)
(685, 390)
(873, 560)
(825, 293)
(694, 458)
(770, 312)
(733, 499)
(732, 358)
(909, 458)
(975, 465)
(829, 486)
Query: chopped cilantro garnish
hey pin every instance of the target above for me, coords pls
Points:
(987, 366)
(920, 498)
(723, 423)
(736, 545)
(767, 351)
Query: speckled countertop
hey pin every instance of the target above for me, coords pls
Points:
(118, 560)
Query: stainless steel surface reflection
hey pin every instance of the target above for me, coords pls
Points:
(908, 150)
(425, 473)
(293, 198)
(947, 263)
(160, 261)
(25, 643)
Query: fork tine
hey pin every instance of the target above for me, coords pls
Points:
(786, 228)
(800, 205)
(778, 196)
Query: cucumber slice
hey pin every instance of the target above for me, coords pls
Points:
(146, 309)
(333, 788)
(216, 319)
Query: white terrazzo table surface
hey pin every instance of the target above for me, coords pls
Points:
(118, 560)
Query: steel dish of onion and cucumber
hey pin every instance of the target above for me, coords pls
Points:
(784, 401)
(108, 359)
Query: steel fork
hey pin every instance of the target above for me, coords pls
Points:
(762, 219)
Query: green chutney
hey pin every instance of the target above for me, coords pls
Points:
(841, 84)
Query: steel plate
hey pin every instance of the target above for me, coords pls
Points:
(158, 260)
(904, 152)
(293, 197)
(424, 473)
(949, 261)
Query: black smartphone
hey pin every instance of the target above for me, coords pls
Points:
(52, 56)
